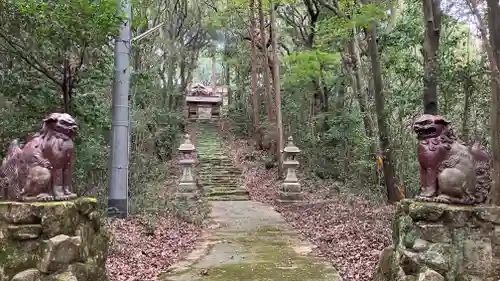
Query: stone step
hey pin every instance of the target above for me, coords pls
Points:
(225, 185)
(212, 157)
(220, 170)
(219, 181)
(209, 174)
(208, 168)
(227, 163)
(210, 188)
(221, 164)
(228, 198)
(215, 174)
(223, 192)
(219, 176)
(220, 184)
(216, 165)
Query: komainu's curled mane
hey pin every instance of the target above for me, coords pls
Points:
(450, 172)
(24, 176)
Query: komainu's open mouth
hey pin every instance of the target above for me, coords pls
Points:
(426, 132)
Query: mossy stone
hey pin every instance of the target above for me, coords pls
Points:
(437, 257)
(388, 265)
(17, 256)
(425, 211)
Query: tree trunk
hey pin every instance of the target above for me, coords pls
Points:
(383, 129)
(227, 73)
(228, 84)
(432, 19)
(492, 48)
(265, 64)
(255, 94)
(66, 87)
(170, 81)
(494, 28)
(468, 91)
(214, 74)
(362, 99)
(276, 75)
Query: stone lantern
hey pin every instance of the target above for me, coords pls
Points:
(187, 185)
(290, 189)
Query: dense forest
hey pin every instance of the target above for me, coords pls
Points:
(345, 78)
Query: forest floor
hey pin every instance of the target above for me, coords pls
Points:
(348, 230)
(138, 253)
(147, 244)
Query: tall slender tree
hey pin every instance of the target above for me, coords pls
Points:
(255, 94)
(432, 20)
(265, 62)
(383, 128)
(277, 90)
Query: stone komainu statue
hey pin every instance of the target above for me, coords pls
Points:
(42, 169)
(450, 172)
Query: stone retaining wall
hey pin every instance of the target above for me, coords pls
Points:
(52, 241)
(439, 242)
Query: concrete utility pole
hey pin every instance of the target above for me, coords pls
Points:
(118, 182)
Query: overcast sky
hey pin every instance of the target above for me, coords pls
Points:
(459, 10)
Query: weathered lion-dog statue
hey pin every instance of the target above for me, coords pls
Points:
(42, 169)
(450, 171)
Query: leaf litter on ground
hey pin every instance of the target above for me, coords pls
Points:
(144, 246)
(138, 254)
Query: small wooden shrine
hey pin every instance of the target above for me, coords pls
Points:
(202, 102)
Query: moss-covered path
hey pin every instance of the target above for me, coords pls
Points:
(251, 242)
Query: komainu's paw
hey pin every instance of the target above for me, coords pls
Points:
(70, 195)
(62, 198)
(43, 197)
(424, 198)
(443, 199)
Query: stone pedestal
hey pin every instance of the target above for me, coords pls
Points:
(52, 241)
(440, 242)
(291, 190)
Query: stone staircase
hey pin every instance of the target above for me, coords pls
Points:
(219, 178)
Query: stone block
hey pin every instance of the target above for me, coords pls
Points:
(43, 241)
(32, 274)
(24, 232)
(442, 242)
(288, 197)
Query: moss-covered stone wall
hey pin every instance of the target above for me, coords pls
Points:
(440, 242)
(52, 241)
